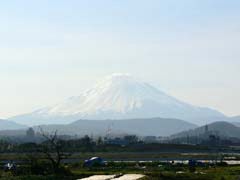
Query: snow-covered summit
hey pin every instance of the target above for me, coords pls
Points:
(120, 93)
(120, 96)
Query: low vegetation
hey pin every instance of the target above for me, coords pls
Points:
(152, 170)
(56, 158)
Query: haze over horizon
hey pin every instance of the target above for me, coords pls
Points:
(52, 50)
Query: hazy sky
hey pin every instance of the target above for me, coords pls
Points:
(54, 49)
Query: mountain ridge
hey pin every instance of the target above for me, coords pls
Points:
(9, 125)
(221, 128)
(140, 127)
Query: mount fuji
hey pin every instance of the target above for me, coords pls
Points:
(119, 96)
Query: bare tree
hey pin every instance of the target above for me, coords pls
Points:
(52, 148)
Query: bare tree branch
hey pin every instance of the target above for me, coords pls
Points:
(53, 149)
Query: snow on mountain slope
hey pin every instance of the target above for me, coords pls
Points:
(119, 96)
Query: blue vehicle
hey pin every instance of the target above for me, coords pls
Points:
(94, 161)
(195, 163)
(192, 162)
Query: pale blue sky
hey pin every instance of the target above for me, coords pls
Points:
(54, 49)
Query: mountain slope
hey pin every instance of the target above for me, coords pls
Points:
(224, 129)
(9, 125)
(235, 120)
(142, 127)
(120, 97)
